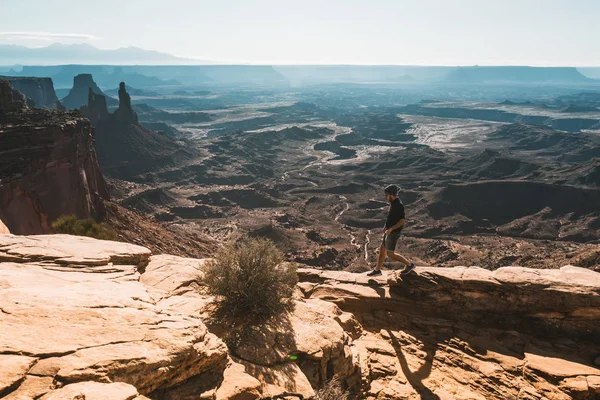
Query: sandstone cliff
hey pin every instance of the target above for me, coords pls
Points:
(48, 167)
(109, 320)
(40, 90)
(11, 99)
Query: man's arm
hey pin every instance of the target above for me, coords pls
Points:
(396, 226)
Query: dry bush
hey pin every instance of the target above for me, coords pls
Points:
(250, 282)
(70, 225)
(332, 391)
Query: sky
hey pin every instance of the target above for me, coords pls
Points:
(373, 32)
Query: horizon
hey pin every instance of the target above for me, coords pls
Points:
(215, 63)
(553, 33)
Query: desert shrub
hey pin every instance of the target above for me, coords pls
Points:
(70, 225)
(332, 391)
(250, 282)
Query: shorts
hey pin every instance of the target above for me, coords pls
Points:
(390, 241)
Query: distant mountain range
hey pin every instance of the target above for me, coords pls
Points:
(420, 74)
(57, 53)
(144, 68)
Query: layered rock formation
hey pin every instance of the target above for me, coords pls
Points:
(125, 114)
(73, 310)
(126, 148)
(48, 166)
(76, 311)
(108, 320)
(39, 90)
(96, 109)
(78, 96)
(469, 333)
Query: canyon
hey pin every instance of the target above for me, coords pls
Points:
(501, 193)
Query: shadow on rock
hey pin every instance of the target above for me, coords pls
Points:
(415, 379)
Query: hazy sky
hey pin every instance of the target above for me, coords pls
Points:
(432, 32)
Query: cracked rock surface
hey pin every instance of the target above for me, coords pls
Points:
(89, 319)
(73, 310)
(470, 333)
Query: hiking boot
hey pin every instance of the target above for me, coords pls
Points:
(375, 272)
(408, 269)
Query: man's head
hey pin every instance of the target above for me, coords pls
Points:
(391, 192)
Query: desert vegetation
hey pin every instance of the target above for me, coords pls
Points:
(69, 224)
(250, 281)
(332, 391)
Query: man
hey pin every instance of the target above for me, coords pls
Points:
(393, 228)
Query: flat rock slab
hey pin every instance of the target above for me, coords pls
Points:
(172, 274)
(94, 321)
(67, 249)
(561, 302)
(13, 370)
(94, 391)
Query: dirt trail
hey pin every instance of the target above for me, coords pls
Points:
(346, 208)
(353, 240)
(367, 242)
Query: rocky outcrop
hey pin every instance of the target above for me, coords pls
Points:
(126, 148)
(78, 96)
(78, 313)
(125, 114)
(547, 303)
(108, 320)
(10, 98)
(73, 312)
(39, 90)
(48, 168)
(96, 109)
(469, 333)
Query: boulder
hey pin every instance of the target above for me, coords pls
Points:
(238, 385)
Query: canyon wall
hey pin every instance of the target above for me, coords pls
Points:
(40, 90)
(48, 166)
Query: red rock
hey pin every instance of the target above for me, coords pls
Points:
(49, 168)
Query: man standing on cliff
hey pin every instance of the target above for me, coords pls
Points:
(392, 230)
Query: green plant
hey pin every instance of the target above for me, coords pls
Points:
(70, 225)
(250, 282)
(332, 391)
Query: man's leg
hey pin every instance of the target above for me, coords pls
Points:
(397, 257)
(381, 258)
(390, 247)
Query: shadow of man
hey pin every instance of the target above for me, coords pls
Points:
(416, 378)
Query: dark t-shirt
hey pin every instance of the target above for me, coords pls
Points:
(396, 214)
